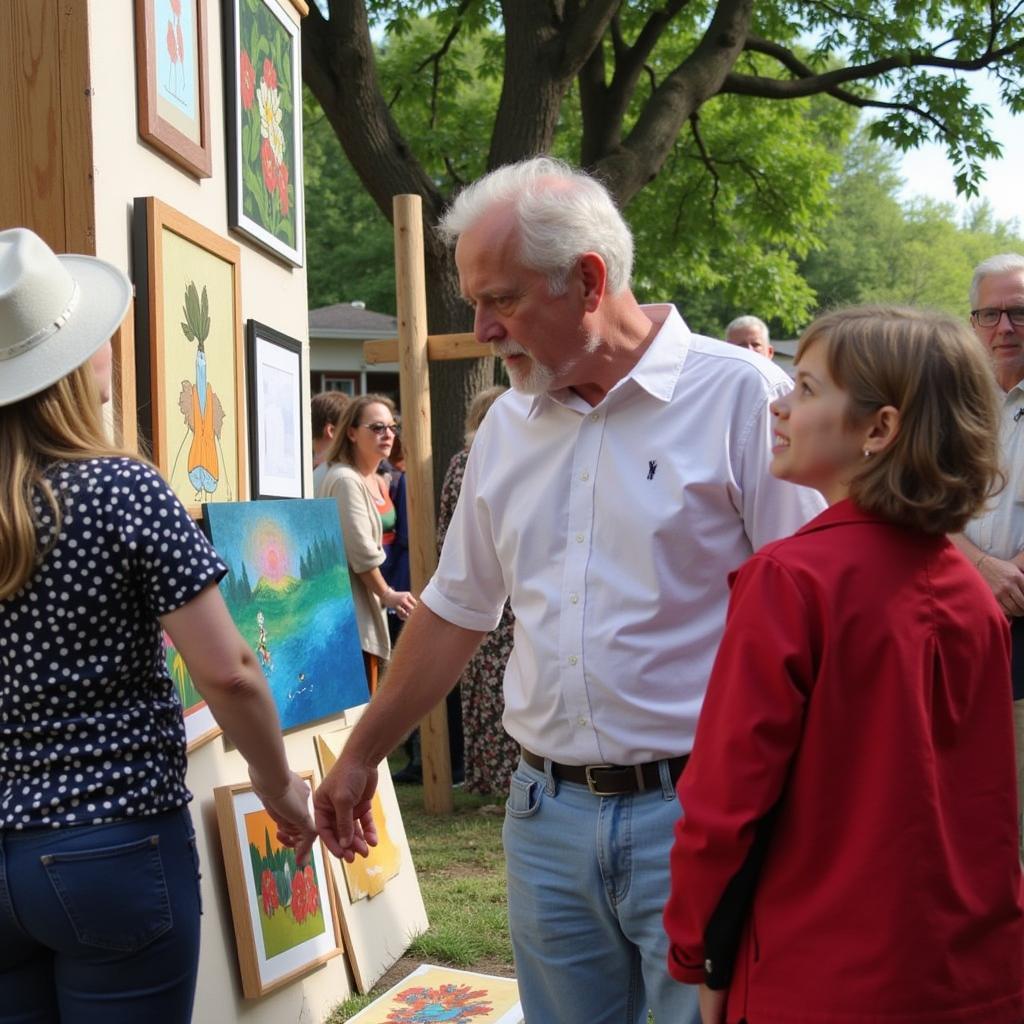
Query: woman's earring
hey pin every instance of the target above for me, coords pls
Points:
(867, 454)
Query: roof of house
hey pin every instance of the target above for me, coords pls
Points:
(349, 320)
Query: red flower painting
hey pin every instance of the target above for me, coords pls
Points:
(248, 76)
(454, 1004)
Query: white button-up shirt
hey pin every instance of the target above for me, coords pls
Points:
(613, 530)
(999, 530)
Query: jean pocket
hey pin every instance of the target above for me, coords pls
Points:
(115, 897)
(524, 796)
(194, 847)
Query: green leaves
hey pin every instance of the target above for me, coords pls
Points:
(196, 325)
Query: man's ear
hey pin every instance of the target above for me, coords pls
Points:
(594, 279)
(883, 429)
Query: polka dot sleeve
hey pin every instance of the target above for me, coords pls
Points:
(167, 555)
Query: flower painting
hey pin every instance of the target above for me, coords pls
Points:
(264, 115)
(289, 898)
(283, 912)
(434, 994)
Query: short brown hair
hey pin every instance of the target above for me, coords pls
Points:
(326, 409)
(943, 464)
(342, 449)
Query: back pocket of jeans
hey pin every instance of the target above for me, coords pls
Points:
(115, 897)
(524, 796)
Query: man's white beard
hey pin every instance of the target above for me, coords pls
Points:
(538, 379)
(535, 379)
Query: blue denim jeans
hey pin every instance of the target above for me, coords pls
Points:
(100, 923)
(588, 877)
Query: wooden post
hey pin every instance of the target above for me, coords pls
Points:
(410, 283)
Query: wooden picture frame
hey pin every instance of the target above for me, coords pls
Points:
(263, 112)
(273, 950)
(172, 68)
(275, 372)
(190, 359)
(380, 922)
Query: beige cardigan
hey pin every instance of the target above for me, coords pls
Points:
(362, 532)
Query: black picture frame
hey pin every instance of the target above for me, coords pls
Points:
(275, 371)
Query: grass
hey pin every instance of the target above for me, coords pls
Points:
(461, 869)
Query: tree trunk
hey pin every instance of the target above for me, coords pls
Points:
(452, 383)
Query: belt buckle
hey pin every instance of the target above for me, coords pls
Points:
(589, 769)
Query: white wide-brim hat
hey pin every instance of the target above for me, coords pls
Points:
(55, 312)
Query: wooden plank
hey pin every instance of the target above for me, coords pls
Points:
(32, 186)
(439, 347)
(414, 382)
(76, 127)
(126, 410)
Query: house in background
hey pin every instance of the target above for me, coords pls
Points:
(336, 336)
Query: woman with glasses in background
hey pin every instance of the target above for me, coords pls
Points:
(365, 435)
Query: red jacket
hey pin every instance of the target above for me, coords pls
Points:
(850, 835)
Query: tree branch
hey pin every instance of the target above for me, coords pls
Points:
(338, 65)
(436, 57)
(583, 33)
(810, 83)
(705, 155)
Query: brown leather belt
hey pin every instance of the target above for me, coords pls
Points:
(611, 779)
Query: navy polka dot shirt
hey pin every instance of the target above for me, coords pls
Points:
(91, 727)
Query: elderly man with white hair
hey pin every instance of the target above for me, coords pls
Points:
(608, 496)
(995, 540)
(751, 333)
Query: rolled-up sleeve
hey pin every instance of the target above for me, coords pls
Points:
(468, 588)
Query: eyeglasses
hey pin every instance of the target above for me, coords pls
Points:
(379, 428)
(990, 316)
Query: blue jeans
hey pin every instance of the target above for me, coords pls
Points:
(588, 878)
(100, 923)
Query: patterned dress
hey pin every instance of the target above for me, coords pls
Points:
(491, 754)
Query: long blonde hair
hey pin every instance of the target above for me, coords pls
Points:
(61, 423)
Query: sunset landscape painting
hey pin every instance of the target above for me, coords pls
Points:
(288, 592)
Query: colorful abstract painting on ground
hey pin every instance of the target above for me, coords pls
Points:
(290, 898)
(435, 994)
(288, 592)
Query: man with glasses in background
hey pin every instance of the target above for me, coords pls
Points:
(994, 542)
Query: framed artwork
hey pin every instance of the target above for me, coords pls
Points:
(379, 900)
(433, 993)
(200, 725)
(284, 916)
(173, 81)
(189, 352)
(275, 412)
(263, 106)
(289, 593)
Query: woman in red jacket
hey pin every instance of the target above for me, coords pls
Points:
(849, 846)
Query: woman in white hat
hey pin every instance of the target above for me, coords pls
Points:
(99, 880)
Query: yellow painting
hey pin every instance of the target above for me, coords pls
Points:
(200, 369)
(366, 876)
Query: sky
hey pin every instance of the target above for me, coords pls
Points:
(927, 171)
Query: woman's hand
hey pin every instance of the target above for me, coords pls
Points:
(290, 810)
(401, 600)
(712, 1004)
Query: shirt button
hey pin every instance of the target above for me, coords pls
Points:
(581, 721)
(573, 659)
(595, 416)
(584, 475)
(708, 966)
(579, 538)
(574, 598)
